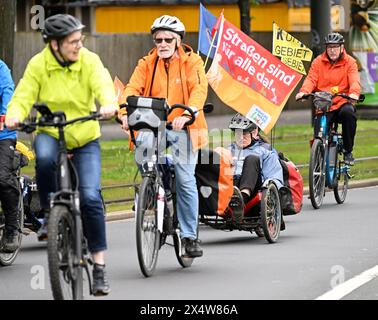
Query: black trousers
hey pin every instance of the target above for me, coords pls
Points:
(251, 175)
(346, 115)
(9, 192)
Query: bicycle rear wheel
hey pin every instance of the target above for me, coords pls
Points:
(340, 189)
(271, 213)
(147, 233)
(317, 174)
(6, 259)
(66, 275)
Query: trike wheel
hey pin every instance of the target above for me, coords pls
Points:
(66, 274)
(270, 212)
(317, 174)
(147, 233)
(6, 259)
(259, 231)
(341, 182)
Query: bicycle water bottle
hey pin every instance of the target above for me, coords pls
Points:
(160, 208)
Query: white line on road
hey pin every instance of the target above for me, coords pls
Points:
(347, 287)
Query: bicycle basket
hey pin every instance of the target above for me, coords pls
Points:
(322, 101)
(145, 112)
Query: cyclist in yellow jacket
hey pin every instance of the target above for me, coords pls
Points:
(173, 71)
(68, 77)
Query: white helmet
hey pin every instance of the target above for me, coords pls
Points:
(169, 23)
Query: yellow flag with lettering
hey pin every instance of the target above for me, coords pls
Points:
(291, 50)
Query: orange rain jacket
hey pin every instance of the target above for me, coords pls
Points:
(185, 82)
(340, 77)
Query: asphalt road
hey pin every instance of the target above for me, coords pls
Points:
(318, 250)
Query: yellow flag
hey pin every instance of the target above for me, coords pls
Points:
(290, 49)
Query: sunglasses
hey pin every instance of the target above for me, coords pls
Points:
(160, 40)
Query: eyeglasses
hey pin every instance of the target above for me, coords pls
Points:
(333, 47)
(75, 43)
(160, 40)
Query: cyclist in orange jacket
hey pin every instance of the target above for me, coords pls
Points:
(173, 71)
(335, 71)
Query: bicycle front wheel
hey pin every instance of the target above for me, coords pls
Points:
(147, 233)
(66, 273)
(340, 188)
(317, 174)
(6, 259)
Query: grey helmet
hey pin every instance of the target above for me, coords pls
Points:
(334, 38)
(168, 23)
(238, 121)
(60, 26)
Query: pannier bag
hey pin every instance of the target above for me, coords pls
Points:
(214, 181)
(291, 194)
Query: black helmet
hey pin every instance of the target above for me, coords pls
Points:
(59, 26)
(238, 121)
(334, 38)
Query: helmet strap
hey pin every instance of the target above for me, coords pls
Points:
(64, 63)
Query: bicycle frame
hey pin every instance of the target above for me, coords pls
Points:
(68, 195)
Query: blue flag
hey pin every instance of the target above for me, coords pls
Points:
(206, 25)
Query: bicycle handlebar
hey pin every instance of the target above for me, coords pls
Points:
(52, 119)
(361, 98)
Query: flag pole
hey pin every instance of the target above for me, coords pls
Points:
(211, 46)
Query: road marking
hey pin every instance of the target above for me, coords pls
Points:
(347, 287)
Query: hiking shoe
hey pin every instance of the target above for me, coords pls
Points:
(237, 205)
(9, 241)
(100, 282)
(192, 248)
(348, 159)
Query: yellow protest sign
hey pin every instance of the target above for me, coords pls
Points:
(285, 45)
(290, 49)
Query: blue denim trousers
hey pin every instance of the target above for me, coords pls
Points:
(184, 160)
(87, 161)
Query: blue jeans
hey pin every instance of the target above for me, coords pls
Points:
(184, 160)
(87, 161)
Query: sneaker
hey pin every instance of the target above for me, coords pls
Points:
(348, 158)
(192, 247)
(237, 205)
(9, 241)
(42, 232)
(100, 282)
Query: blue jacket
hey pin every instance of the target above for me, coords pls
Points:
(6, 92)
(269, 161)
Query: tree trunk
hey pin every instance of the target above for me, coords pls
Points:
(245, 18)
(7, 22)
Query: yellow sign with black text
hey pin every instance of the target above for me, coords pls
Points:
(290, 49)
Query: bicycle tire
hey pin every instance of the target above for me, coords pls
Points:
(7, 259)
(66, 279)
(340, 188)
(317, 174)
(185, 262)
(270, 213)
(147, 233)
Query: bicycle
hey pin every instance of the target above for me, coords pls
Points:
(29, 219)
(327, 167)
(67, 250)
(6, 259)
(155, 197)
